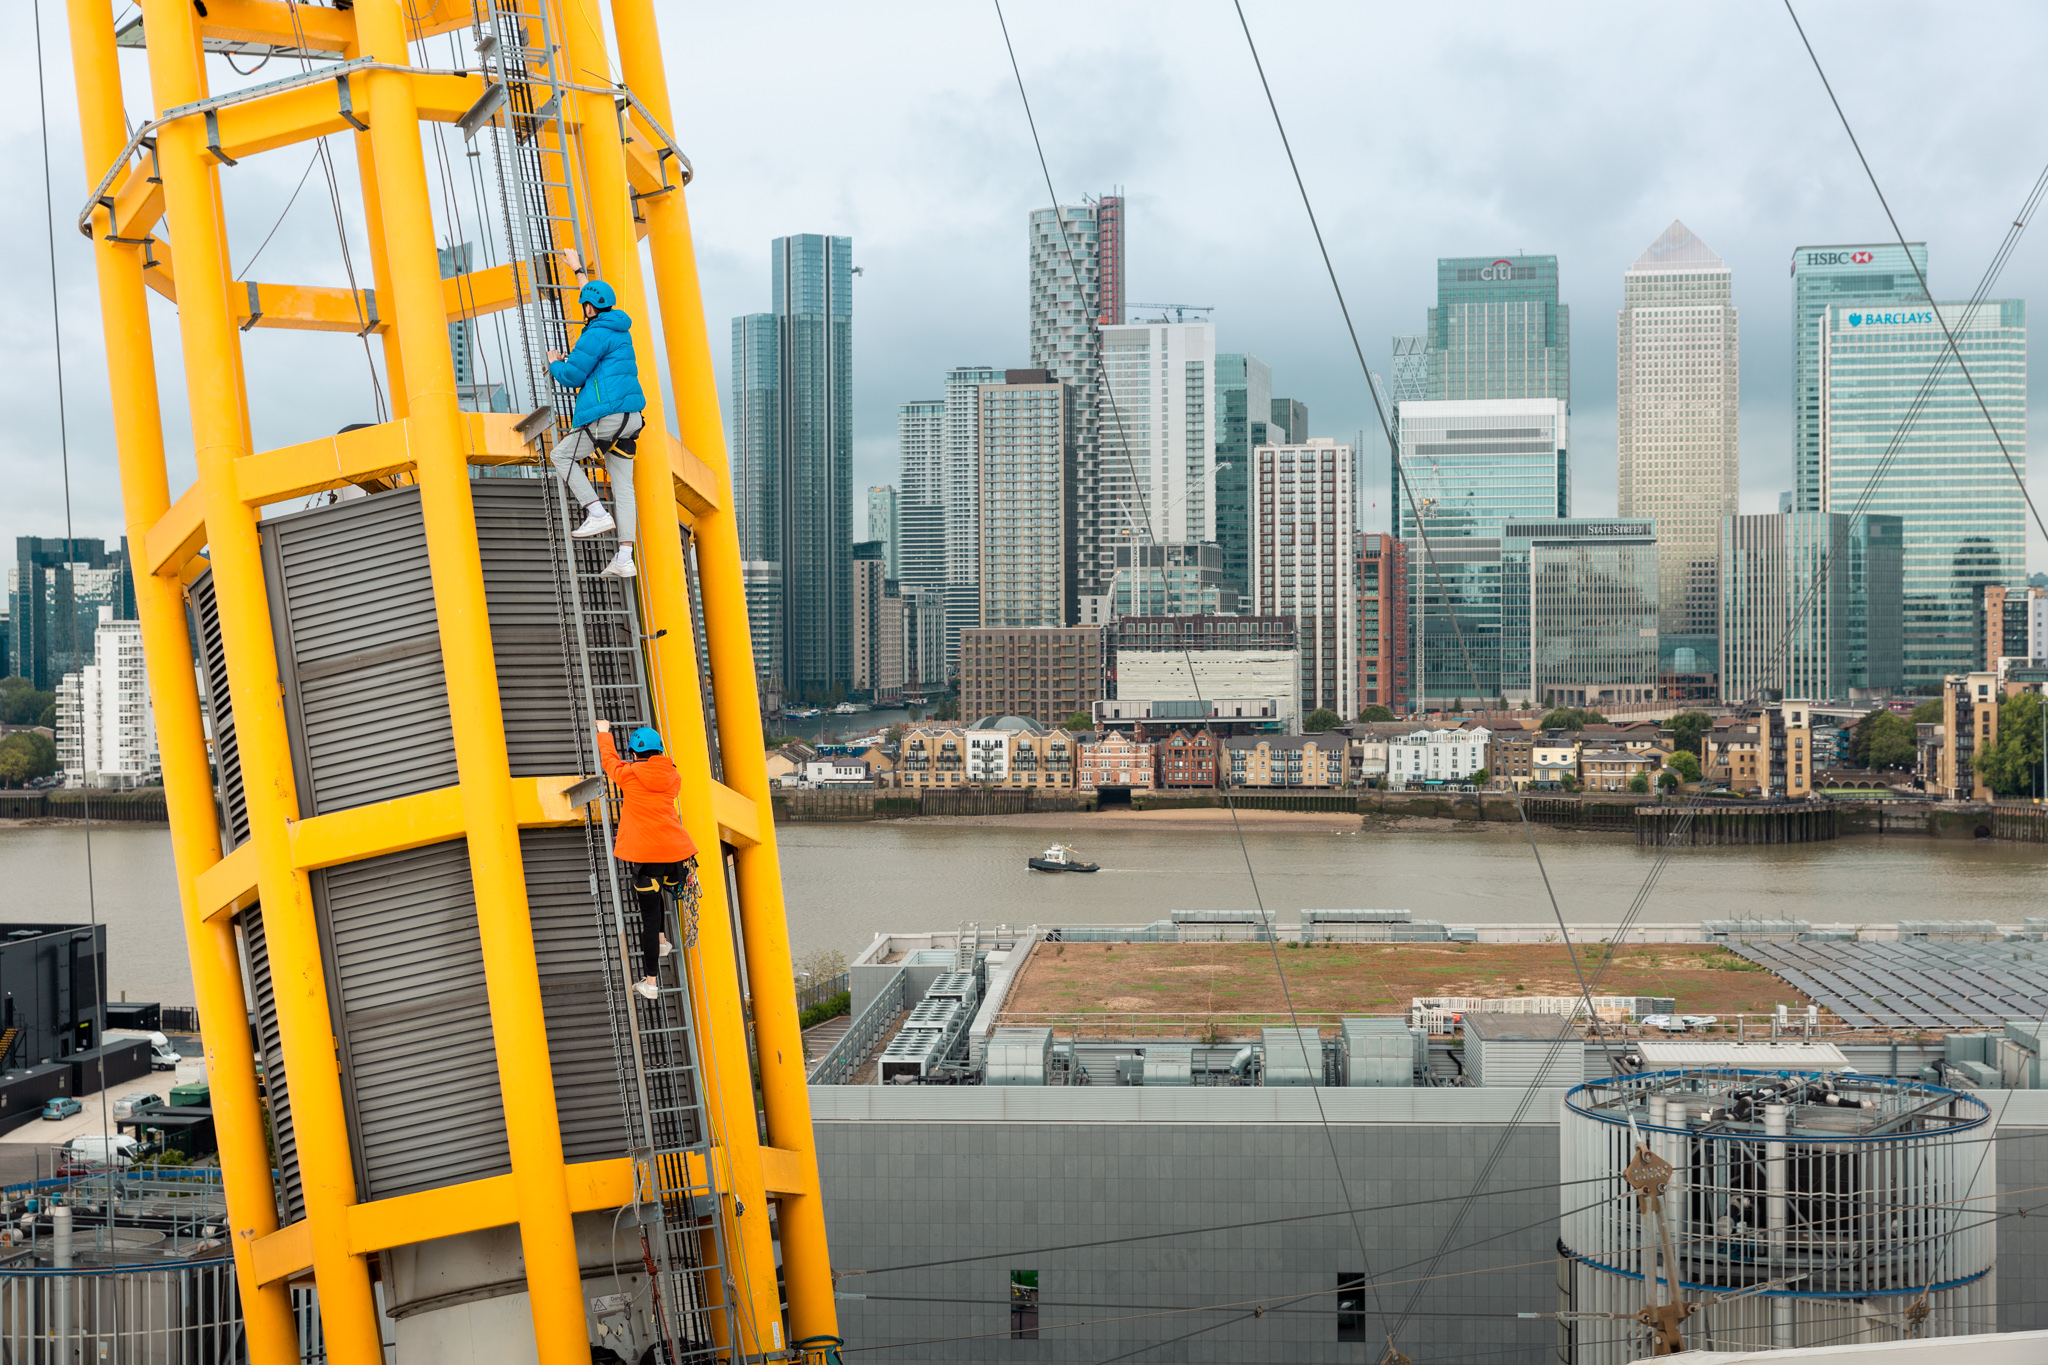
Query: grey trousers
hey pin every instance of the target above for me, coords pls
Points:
(571, 450)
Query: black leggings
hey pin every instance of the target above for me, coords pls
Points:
(653, 884)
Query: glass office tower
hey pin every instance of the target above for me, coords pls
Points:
(1244, 388)
(1811, 606)
(1880, 275)
(1578, 611)
(1498, 331)
(1901, 434)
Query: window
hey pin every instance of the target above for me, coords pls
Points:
(1024, 1306)
(1350, 1307)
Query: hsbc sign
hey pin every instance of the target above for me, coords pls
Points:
(1838, 258)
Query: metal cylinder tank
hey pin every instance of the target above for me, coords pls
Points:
(1804, 1208)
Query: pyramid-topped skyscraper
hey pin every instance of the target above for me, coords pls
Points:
(1676, 388)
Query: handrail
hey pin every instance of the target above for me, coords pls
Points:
(853, 1047)
(331, 72)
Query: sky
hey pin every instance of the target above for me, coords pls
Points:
(1579, 131)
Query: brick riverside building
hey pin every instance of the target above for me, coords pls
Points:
(1188, 759)
(1112, 759)
(1382, 621)
(1043, 673)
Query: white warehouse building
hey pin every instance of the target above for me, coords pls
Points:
(1436, 756)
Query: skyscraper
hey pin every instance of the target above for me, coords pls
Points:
(1157, 435)
(882, 525)
(1288, 421)
(792, 420)
(1880, 275)
(961, 499)
(1244, 390)
(921, 496)
(1498, 331)
(1578, 611)
(1077, 279)
(1382, 621)
(1939, 469)
(54, 594)
(1677, 385)
(475, 390)
(1303, 563)
(1029, 429)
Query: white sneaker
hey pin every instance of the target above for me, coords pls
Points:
(622, 563)
(595, 524)
(667, 947)
(649, 989)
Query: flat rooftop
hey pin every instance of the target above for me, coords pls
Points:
(1237, 983)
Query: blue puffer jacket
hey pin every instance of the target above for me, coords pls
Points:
(602, 367)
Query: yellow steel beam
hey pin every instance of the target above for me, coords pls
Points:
(178, 535)
(785, 1172)
(303, 112)
(739, 819)
(229, 886)
(181, 741)
(138, 202)
(272, 21)
(285, 1253)
(368, 453)
(696, 484)
(415, 821)
(215, 390)
(778, 1042)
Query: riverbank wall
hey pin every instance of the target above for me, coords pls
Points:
(144, 807)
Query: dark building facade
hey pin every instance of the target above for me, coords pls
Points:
(54, 596)
(1382, 621)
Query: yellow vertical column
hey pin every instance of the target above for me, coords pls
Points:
(663, 586)
(219, 436)
(188, 788)
(379, 282)
(518, 1029)
(777, 1039)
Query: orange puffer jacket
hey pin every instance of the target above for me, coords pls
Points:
(650, 831)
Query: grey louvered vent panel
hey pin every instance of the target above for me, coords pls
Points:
(526, 629)
(292, 1202)
(213, 678)
(407, 973)
(352, 602)
(567, 941)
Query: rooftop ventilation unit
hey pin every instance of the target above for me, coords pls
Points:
(1736, 930)
(913, 1054)
(1523, 1049)
(1948, 929)
(1293, 1056)
(1017, 1056)
(1381, 1052)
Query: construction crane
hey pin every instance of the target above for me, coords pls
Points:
(486, 1142)
(1179, 310)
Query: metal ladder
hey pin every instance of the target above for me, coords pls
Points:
(660, 1086)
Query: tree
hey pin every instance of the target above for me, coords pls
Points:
(1458, 705)
(1571, 718)
(26, 755)
(1078, 722)
(1683, 765)
(1639, 784)
(895, 733)
(21, 704)
(2013, 765)
(1571, 782)
(1319, 720)
(1882, 740)
(1372, 714)
(1481, 778)
(1687, 728)
(1928, 712)
(947, 709)
(1668, 779)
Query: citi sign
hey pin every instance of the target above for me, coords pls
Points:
(1499, 270)
(1889, 319)
(1838, 258)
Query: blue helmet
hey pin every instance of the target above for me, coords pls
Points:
(597, 294)
(645, 740)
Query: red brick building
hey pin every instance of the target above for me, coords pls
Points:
(1188, 759)
(1382, 621)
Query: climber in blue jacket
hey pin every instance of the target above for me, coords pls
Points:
(608, 418)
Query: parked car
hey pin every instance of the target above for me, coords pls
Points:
(128, 1106)
(63, 1107)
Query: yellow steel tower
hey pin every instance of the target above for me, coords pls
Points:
(389, 850)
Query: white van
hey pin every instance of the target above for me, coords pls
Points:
(115, 1151)
(162, 1056)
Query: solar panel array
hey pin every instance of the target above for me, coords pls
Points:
(1915, 984)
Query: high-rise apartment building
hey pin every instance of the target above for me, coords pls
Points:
(1029, 429)
(1578, 611)
(1901, 434)
(1881, 276)
(1382, 621)
(1157, 434)
(1498, 330)
(762, 581)
(1677, 379)
(1470, 467)
(1303, 562)
(962, 495)
(1175, 579)
(926, 664)
(878, 657)
(921, 451)
(55, 593)
(1244, 402)
(2011, 620)
(792, 426)
(882, 525)
(106, 728)
(1077, 287)
(1811, 606)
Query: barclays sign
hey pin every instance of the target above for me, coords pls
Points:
(1919, 318)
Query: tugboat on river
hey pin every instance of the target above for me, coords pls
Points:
(1060, 858)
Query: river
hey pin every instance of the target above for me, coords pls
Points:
(847, 882)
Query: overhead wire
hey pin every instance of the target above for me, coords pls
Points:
(99, 1003)
(304, 176)
(1092, 321)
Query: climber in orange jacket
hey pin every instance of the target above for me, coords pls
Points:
(651, 839)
